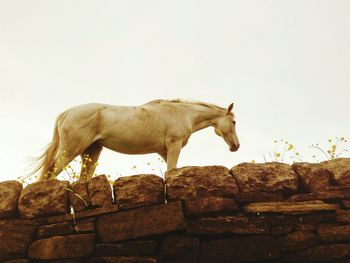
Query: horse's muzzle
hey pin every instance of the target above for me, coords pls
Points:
(234, 148)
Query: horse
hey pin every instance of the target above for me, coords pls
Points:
(159, 126)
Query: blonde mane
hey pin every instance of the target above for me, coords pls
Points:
(209, 105)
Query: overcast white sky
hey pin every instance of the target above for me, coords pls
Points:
(285, 64)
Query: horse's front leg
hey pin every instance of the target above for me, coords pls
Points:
(173, 152)
(164, 156)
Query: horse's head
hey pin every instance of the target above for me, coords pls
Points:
(225, 127)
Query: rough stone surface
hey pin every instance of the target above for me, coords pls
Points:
(227, 224)
(255, 197)
(345, 204)
(290, 207)
(79, 198)
(243, 249)
(345, 260)
(136, 248)
(15, 237)
(61, 247)
(330, 233)
(277, 219)
(320, 253)
(141, 222)
(138, 190)
(83, 214)
(44, 198)
(195, 182)
(313, 176)
(123, 259)
(297, 240)
(100, 191)
(65, 228)
(265, 177)
(262, 227)
(340, 169)
(180, 249)
(318, 218)
(58, 229)
(76, 260)
(85, 226)
(17, 261)
(207, 205)
(304, 227)
(9, 194)
(332, 194)
(343, 216)
(281, 230)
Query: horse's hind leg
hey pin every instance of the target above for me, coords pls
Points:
(61, 161)
(89, 161)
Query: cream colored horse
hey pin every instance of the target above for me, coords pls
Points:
(159, 126)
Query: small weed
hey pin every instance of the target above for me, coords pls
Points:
(285, 151)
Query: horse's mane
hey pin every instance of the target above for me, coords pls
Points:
(209, 105)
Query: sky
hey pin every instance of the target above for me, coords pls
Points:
(285, 65)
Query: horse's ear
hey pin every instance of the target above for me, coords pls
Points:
(229, 109)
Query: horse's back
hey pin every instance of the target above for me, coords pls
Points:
(90, 109)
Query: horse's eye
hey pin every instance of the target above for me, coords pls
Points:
(234, 122)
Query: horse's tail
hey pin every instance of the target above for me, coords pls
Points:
(45, 161)
(50, 153)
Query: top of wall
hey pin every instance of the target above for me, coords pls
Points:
(246, 186)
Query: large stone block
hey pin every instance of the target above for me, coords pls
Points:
(85, 226)
(345, 203)
(320, 253)
(57, 229)
(100, 191)
(276, 219)
(255, 197)
(138, 190)
(227, 225)
(133, 248)
(281, 230)
(195, 182)
(208, 205)
(331, 233)
(123, 259)
(297, 240)
(290, 207)
(21, 260)
(15, 237)
(318, 218)
(66, 228)
(61, 247)
(180, 249)
(9, 194)
(141, 222)
(340, 169)
(313, 176)
(343, 216)
(240, 249)
(331, 194)
(44, 198)
(87, 213)
(68, 260)
(79, 196)
(265, 177)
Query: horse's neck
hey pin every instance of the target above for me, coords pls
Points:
(204, 117)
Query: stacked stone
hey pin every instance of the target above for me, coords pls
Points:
(269, 212)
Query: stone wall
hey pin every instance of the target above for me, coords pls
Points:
(269, 212)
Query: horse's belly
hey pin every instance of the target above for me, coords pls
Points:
(131, 146)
